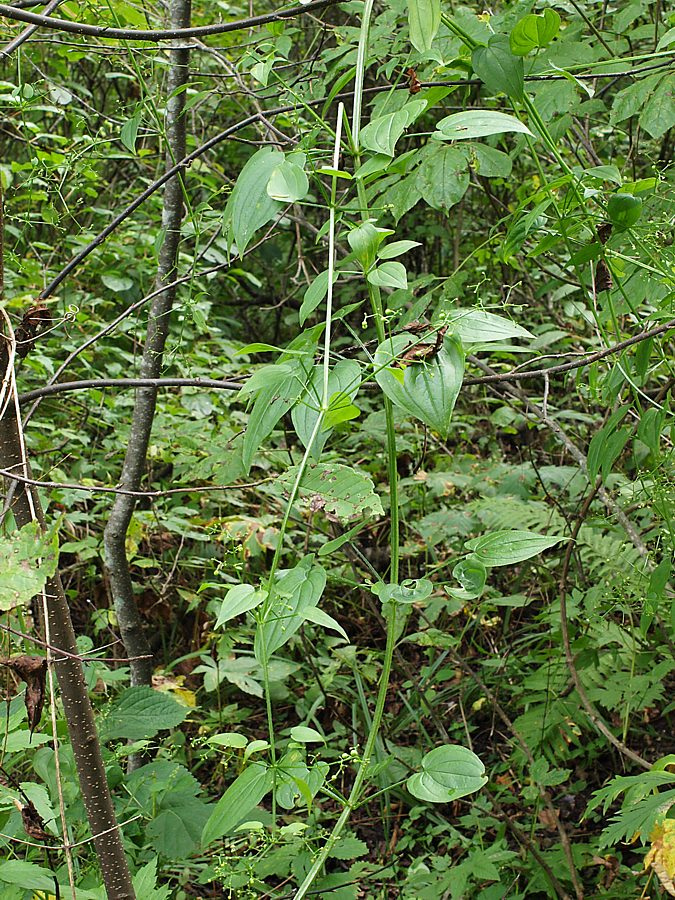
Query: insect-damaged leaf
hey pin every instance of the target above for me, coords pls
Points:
(27, 559)
(336, 489)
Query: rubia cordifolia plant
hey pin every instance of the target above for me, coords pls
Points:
(419, 371)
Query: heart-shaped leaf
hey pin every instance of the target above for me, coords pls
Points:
(426, 390)
(389, 274)
(288, 182)
(533, 32)
(447, 773)
(498, 68)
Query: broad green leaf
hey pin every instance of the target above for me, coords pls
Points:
(364, 241)
(652, 422)
(489, 162)
(629, 101)
(397, 248)
(250, 206)
(474, 326)
(129, 132)
(409, 591)
(27, 559)
(255, 747)
(504, 548)
(658, 116)
(604, 449)
(624, 210)
(389, 274)
(476, 123)
(315, 294)
(533, 32)
(348, 847)
(448, 773)
(242, 796)
(140, 712)
(177, 828)
(471, 574)
(294, 591)
(498, 68)
(401, 196)
(284, 385)
(443, 177)
(344, 381)
(426, 390)
(288, 182)
(117, 283)
(424, 19)
(145, 883)
(335, 489)
(381, 133)
(239, 599)
(304, 735)
(334, 173)
(27, 875)
(340, 409)
(229, 739)
(337, 542)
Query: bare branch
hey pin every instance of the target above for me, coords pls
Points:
(162, 34)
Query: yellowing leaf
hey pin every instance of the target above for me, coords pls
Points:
(661, 856)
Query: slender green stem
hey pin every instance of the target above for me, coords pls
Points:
(306, 456)
(362, 773)
(376, 305)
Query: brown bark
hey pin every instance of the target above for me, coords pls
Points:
(128, 616)
(76, 704)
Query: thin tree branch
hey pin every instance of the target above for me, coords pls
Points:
(20, 39)
(97, 383)
(102, 489)
(496, 377)
(215, 384)
(155, 35)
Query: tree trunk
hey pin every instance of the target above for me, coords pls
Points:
(128, 616)
(76, 704)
